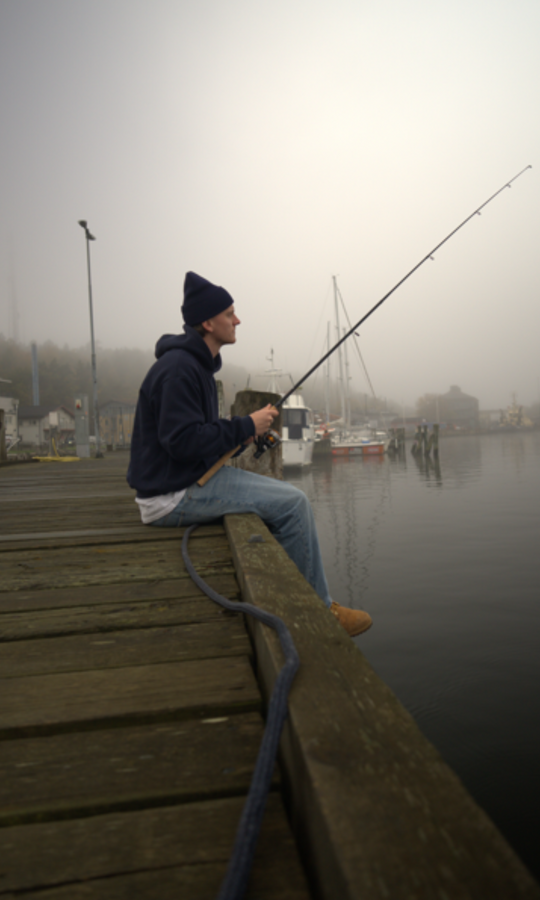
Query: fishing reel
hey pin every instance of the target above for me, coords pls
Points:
(265, 442)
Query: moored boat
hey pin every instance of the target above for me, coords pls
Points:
(359, 444)
(298, 429)
(298, 433)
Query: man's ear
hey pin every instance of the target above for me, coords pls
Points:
(208, 325)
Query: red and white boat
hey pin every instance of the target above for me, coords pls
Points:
(359, 444)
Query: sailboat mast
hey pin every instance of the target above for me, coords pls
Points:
(327, 382)
(340, 354)
(272, 385)
(347, 386)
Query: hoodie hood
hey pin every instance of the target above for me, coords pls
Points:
(191, 342)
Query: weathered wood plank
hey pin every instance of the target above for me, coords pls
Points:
(58, 598)
(19, 487)
(95, 552)
(225, 635)
(270, 880)
(376, 809)
(70, 775)
(48, 482)
(30, 508)
(149, 561)
(34, 504)
(29, 538)
(107, 617)
(110, 697)
(66, 500)
(81, 474)
(110, 575)
(73, 507)
(147, 844)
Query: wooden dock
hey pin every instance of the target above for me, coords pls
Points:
(132, 709)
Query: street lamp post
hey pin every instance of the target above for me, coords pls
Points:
(90, 237)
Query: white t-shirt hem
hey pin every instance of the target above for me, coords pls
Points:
(152, 508)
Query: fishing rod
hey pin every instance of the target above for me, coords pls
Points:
(429, 255)
(271, 439)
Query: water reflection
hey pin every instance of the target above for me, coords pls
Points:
(462, 460)
(350, 498)
(514, 450)
(430, 468)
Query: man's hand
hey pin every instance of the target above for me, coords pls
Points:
(263, 418)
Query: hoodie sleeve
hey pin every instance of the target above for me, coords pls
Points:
(188, 426)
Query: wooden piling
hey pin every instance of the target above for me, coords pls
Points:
(271, 462)
(416, 447)
(422, 444)
(397, 440)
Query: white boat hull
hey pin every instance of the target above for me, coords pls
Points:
(297, 453)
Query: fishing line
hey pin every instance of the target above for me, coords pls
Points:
(429, 255)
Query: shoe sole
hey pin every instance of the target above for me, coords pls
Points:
(360, 630)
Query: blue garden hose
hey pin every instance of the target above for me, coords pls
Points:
(235, 882)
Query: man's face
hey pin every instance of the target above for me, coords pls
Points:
(223, 327)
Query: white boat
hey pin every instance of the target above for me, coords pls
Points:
(298, 432)
(298, 429)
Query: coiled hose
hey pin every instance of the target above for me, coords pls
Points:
(235, 882)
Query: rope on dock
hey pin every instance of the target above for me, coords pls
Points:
(235, 882)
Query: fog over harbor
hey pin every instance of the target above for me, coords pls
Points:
(268, 148)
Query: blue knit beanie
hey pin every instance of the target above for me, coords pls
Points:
(203, 300)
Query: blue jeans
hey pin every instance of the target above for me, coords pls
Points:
(284, 509)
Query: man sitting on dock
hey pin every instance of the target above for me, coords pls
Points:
(178, 436)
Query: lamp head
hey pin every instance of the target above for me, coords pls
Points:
(84, 224)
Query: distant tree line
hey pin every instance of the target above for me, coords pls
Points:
(65, 372)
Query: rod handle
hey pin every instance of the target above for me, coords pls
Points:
(217, 466)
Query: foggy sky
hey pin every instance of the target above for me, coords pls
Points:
(268, 147)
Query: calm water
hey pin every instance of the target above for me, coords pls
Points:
(446, 559)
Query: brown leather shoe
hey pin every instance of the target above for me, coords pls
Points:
(354, 621)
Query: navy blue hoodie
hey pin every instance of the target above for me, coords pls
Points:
(177, 434)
